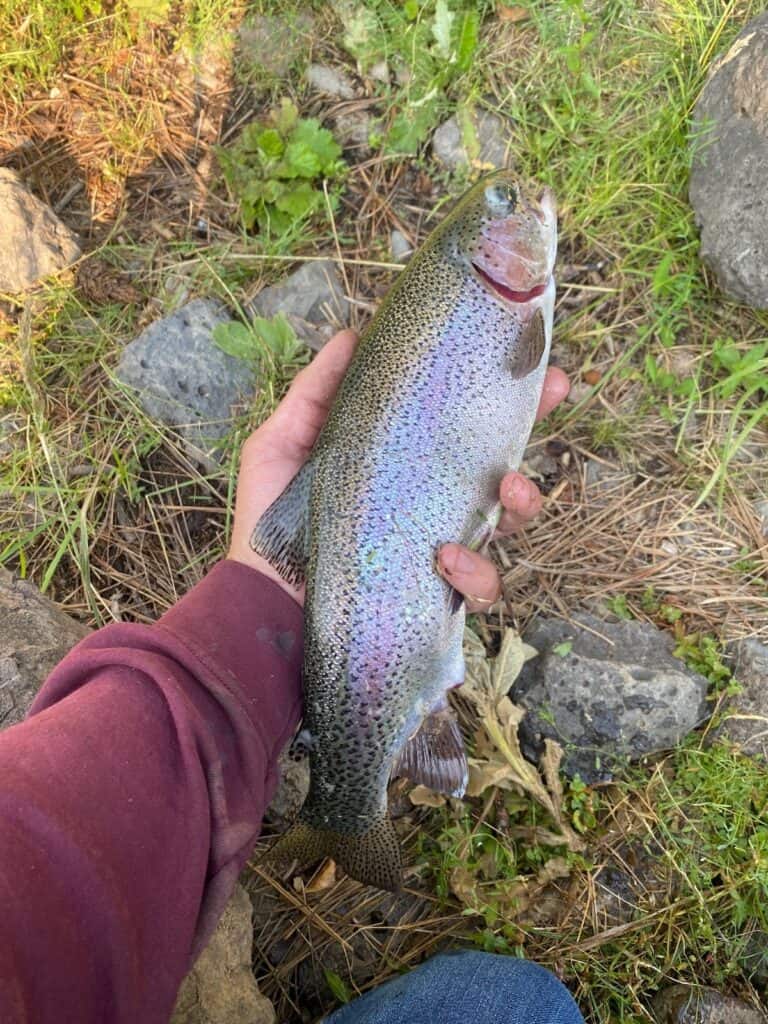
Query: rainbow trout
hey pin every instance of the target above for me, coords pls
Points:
(437, 405)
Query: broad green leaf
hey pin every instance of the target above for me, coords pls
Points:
(337, 986)
(467, 44)
(441, 28)
(299, 201)
(319, 140)
(285, 117)
(236, 339)
(270, 143)
(301, 160)
(278, 336)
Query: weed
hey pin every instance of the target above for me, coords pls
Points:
(273, 169)
(430, 46)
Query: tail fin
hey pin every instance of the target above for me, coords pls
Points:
(373, 858)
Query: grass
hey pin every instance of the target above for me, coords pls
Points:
(106, 510)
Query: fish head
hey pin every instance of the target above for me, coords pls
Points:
(507, 231)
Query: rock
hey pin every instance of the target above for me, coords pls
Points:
(380, 72)
(11, 434)
(33, 241)
(453, 151)
(34, 636)
(291, 790)
(754, 956)
(273, 43)
(680, 1004)
(727, 187)
(313, 300)
(746, 724)
(400, 246)
(353, 128)
(183, 378)
(605, 700)
(221, 988)
(761, 511)
(331, 81)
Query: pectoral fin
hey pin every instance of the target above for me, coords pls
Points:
(529, 348)
(282, 534)
(435, 756)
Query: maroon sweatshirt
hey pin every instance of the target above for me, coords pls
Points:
(131, 797)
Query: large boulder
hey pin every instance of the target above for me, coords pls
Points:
(312, 299)
(728, 186)
(33, 241)
(221, 987)
(182, 376)
(34, 636)
(607, 692)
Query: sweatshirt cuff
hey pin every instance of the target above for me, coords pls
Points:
(244, 627)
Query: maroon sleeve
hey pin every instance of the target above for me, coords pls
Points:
(132, 795)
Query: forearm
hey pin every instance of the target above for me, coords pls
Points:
(131, 797)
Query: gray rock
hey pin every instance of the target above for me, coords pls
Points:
(728, 175)
(400, 246)
(183, 378)
(291, 790)
(380, 72)
(353, 128)
(680, 1004)
(493, 135)
(329, 80)
(605, 700)
(746, 723)
(313, 300)
(221, 988)
(33, 241)
(273, 43)
(34, 636)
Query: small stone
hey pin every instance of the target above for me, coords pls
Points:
(273, 43)
(606, 692)
(730, 153)
(353, 129)
(380, 72)
(312, 298)
(400, 247)
(578, 392)
(291, 790)
(34, 636)
(33, 241)
(221, 987)
(746, 724)
(681, 1004)
(329, 80)
(493, 135)
(182, 376)
(761, 510)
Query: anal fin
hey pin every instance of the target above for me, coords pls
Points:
(435, 755)
(282, 533)
(373, 858)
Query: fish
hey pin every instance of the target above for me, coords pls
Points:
(436, 406)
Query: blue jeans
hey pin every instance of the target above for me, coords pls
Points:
(466, 988)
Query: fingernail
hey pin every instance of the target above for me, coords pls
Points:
(456, 559)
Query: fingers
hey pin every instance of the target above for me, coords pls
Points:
(556, 387)
(474, 576)
(521, 501)
(293, 428)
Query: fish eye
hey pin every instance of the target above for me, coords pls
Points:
(501, 198)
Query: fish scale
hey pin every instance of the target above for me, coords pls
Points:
(436, 407)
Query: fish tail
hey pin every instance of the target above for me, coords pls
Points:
(373, 858)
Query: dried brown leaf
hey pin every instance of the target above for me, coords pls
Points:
(324, 878)
(422, 796)
(512, 14)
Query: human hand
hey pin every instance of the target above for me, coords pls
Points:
(275, 452)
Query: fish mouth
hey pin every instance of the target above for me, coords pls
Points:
(508, 294)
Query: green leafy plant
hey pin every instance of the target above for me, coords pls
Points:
(431, 45)
(273, 337)
(275, 170)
